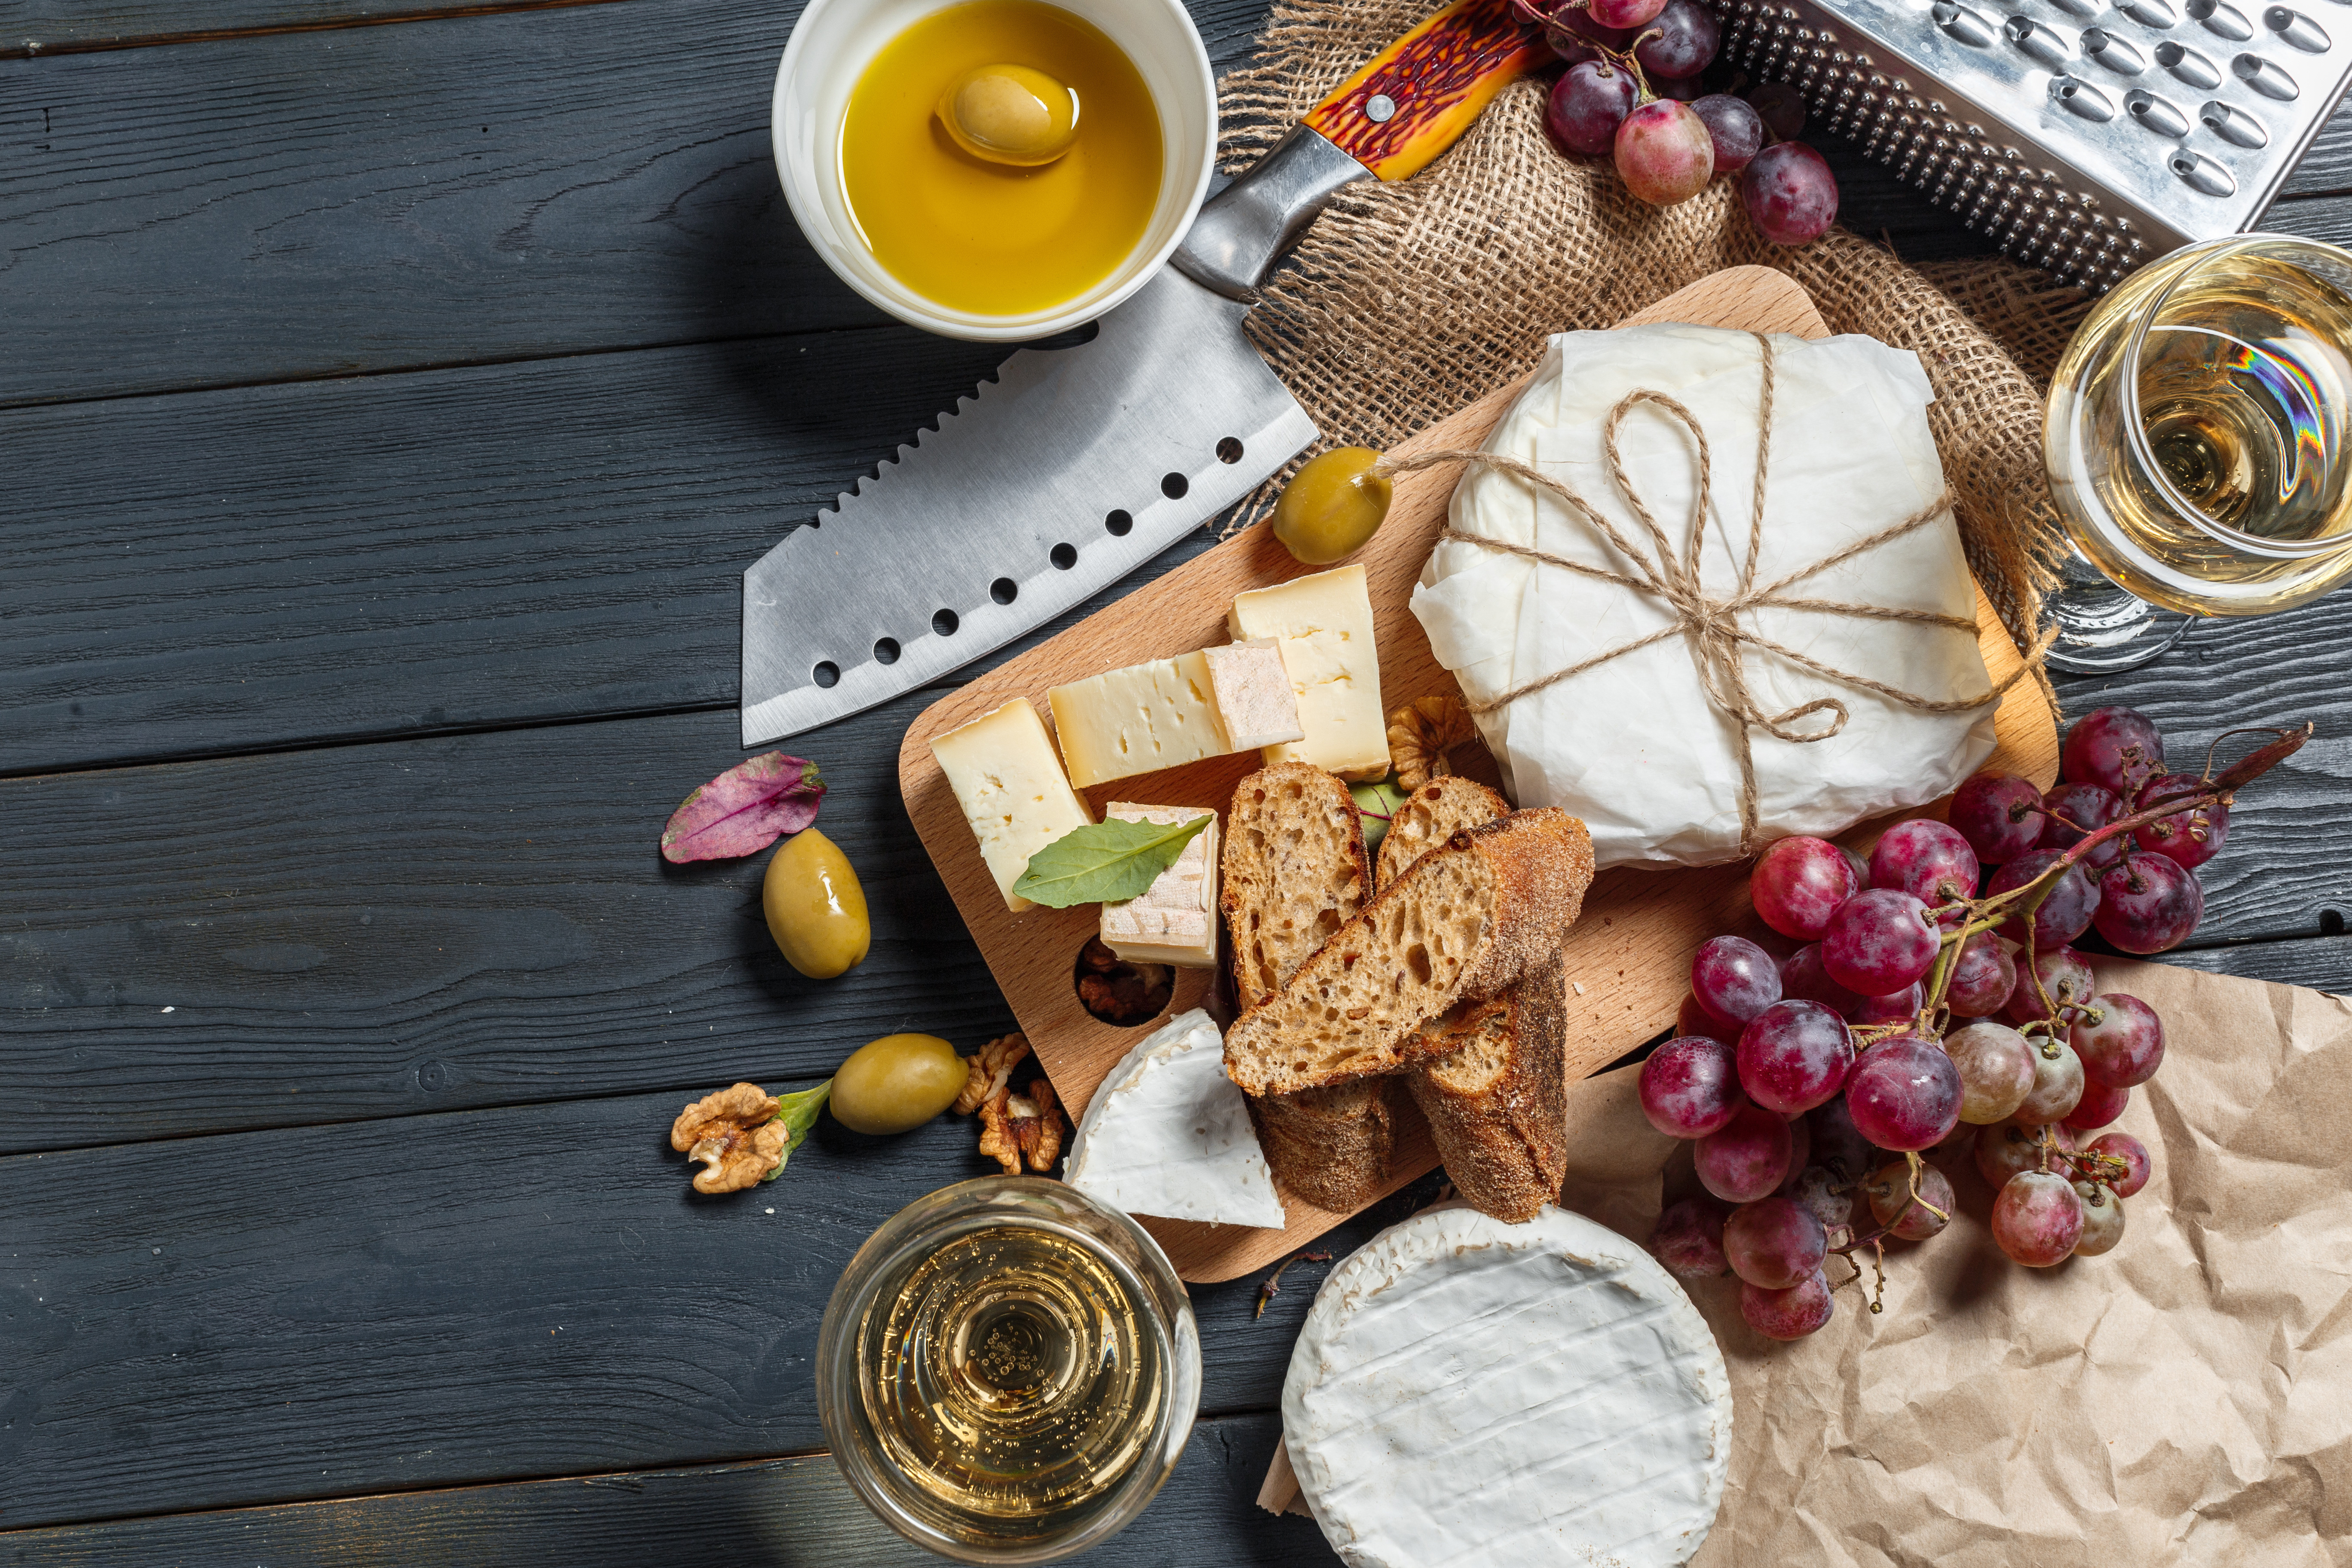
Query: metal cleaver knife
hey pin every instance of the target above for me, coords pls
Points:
(1077, 465)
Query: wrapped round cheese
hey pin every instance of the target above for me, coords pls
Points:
(1634, 745)
(1470, 1391)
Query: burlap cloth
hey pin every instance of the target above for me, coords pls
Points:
(1411, 300)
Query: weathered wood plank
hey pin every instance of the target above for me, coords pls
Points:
(445, 1300)
(761, 1515)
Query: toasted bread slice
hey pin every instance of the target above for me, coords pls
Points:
(1432, 814)
(1295, 872)
(1497, 1096)
(1334, 1146)
(1461, 924)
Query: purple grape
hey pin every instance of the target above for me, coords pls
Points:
(1587, 105)
(2065, 914)
(2090, 808)
(1734, 979)
(1680, 41)
(1690, 1087)
(1798, 883)
(2133, 1153)
(2191, 837)
(1801, 1152)
(2058, 1084)
(1682, 89)
(1983, 975)
(1774, 1242)
(1837, 1144)
(2098, 1108)
(2037, 1218)
(1879, 943)
(2004, 1149)
(1888, 1189)
(2064, 977)
(1802, 977)
(1747, 1159)
(2000, 816)
(1793, 1055)
(1571, 32)
(2116, 748)
(1902, 1008)
(1820, 1190)
(1904, 1093)
(1738, 131)
(1624, 14)
(1663, 151)
(1689, 1239)
(2103, 1219)
(1789, 1314)
(1790, 195)
(1780, 107)
(1926, 859)
(2148, 904)
(2120, 1040)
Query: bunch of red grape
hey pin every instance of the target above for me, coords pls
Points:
(1919, 1016)
(1631, 89)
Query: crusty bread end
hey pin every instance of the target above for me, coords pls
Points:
(1497, 1099)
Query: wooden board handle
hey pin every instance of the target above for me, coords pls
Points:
(1414, 99)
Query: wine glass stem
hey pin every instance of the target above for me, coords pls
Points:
(2103, 628)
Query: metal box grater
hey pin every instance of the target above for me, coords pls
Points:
(2080, 136)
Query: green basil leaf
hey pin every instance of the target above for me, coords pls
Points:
(1106, 861)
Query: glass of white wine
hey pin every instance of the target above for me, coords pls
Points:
(2196, 444)
(1008, 1371)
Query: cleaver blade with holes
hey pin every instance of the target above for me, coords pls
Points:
(1076, 466)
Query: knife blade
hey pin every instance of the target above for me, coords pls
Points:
(1076, 466)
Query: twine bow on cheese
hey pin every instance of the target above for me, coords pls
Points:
(1709, 621)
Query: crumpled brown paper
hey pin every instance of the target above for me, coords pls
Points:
(2185, 1399)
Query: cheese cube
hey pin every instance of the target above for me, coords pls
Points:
(1002, 770)
(1175, 920)
(1138, 720)
(1323, 624)
(1253, 695)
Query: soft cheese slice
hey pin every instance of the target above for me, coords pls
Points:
(1175, 920)
(1138, 720)
(1005, 776)
(1323, 626)
(1169, 1135)
(1467, 1392)
(1253, 695)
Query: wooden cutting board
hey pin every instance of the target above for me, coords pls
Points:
(1628, 957)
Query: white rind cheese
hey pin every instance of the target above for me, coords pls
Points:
(1138, 720)
(1169, 1135)
(1005, 776)
(1323, 627)
(1175, 920)
(1253, 695)
(1467, 1393)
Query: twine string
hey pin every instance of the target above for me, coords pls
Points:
(1710, 622)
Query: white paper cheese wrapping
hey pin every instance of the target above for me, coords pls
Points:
(1634, 746)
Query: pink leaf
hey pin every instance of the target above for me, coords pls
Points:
(744, 809)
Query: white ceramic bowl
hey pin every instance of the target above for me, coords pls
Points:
(831, 46)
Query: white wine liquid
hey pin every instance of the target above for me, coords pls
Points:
(1011, 1377)
(2243, 384)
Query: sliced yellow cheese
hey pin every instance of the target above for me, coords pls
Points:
(1138, 720)
(1005, 776)
(1175, 920)
(1323, 624)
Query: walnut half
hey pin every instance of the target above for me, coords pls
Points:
(1024, 1126)
(737, 1136)
(1420, 733)
(990, 1067)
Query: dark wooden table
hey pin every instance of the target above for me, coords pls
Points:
(390, 398)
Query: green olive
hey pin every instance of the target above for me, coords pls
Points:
(1010, 114)
(817, 911)
(897, 1083)
(1332, 506)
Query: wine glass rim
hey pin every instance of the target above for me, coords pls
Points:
(2193, 259)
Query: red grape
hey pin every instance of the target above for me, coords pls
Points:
(2037, 1218)
(1737, 130)
(2148, 903)
(1587, 105)
(1781, 108)
(1689, 1239)
(2000, 816)
(1820, 1190)
(1902, 1008)
(2132, 1153)
(1690, 1087)
(1664, 154)
(1983, 975)
(1626, 13)
(1747, 1159)
(1790, 195)
(1904, 1093)
(2190, 836)
(1996, 1065)
(2114, 747)
(2098, 1108)
(2064, 977)
(2089, 807)
(1571, 32)
(1802, 976)
(1878, 943)
(1889, 1192)
(1837, 1144)
(2120, 1040)
(1774, 1242)
(1959, 1143)
(2006, 1148)
(2103, 1219)
(1789, 1314)
(2058, 1084)
(1734, 979)
(1801, 1152)
(1680, 41)
(2067, 910)
(1926, 859)
(1798, 883)
(1694, 1019)
(1793, 1055)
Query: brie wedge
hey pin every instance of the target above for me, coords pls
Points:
(1470, 1393)
(1169, 1135)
